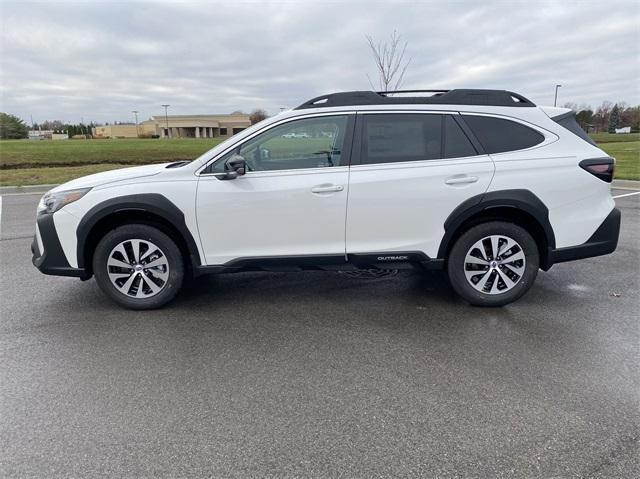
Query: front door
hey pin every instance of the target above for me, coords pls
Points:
(292, 200)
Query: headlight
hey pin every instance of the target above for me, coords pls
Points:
(52, 202)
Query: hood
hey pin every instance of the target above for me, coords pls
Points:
(111, 176)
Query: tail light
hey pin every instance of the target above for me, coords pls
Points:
(600, 167)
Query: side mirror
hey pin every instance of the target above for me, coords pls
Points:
(234, 167)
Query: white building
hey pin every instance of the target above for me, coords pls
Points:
(179, 126)
(47, 135)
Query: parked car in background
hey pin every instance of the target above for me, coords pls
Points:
(296, 135)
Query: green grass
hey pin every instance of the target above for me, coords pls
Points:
(286, 147)
(614, 138)
(627, 155)
(24, 162)
(50, 176)
(33, 154)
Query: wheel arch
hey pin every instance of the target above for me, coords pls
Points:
(150, 209)
(520, 207)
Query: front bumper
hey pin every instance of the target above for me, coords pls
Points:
(52, 259)
(603, 241)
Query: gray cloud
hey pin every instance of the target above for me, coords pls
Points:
(100, 60)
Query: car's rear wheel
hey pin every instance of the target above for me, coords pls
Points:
(138, 266)
(493, 264)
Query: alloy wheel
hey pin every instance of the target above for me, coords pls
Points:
(495, 264)
(138, 268)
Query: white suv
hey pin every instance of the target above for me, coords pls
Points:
(482, 183)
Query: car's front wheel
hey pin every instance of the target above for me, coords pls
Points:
(493, 264)
(138, 266)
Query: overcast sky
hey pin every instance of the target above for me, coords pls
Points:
(100, 60)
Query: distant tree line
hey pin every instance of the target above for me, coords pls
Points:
(607, 117)
(72, 129)
(12, 127)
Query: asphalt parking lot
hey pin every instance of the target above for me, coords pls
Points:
(321, 374)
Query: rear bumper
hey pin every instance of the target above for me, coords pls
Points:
(603, 241)
(52, 259)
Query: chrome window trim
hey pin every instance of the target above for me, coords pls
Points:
(263, 130)
(549, 136)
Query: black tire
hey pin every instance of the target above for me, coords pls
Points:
(457, 263)
(170, 251)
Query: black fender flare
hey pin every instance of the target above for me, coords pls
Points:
(518, 199)
(153, 203)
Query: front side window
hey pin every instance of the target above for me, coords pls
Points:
(396, 137)
(306, 143)
(498, 135)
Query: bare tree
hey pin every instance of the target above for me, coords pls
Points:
(601, 116)
(389, 58)
(257, 115)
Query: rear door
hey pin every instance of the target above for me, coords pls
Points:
(411, 170)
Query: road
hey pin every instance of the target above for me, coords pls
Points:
(321, 374)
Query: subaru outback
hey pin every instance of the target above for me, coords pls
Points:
(481, 183)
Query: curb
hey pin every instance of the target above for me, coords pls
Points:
(630, 184)
(25, 190)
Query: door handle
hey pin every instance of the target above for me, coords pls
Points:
(459, 180)
(327, 188)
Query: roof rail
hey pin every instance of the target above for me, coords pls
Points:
(410, 91)
(441, 97)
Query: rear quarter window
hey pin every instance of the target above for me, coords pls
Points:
(568, 121)
(498, 135)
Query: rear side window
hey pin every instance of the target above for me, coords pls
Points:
(396, 137)
(498, 135)
(456, 143)
(568, 120)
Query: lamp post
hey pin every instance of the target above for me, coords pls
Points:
(166, 118)
(135, 112)
(555, 100)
